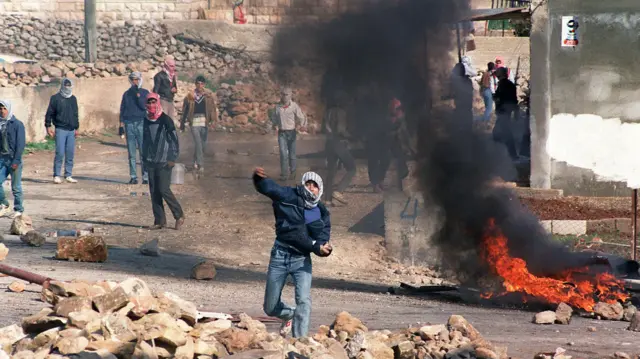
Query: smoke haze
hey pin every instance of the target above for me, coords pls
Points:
(404, 50)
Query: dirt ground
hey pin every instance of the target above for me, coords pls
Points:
(229, 223)
(580, 208)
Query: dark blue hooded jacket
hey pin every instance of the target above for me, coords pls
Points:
(288, 210)
(133, 107)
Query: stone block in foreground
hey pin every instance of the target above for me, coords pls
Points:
(82, 249)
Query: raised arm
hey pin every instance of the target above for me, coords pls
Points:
(270, 188)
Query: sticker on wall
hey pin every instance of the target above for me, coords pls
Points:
(569, 31)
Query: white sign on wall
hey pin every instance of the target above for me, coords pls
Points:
(569, 31)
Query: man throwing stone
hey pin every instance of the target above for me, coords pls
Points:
(12, 142)
(62, 124)
(303, 227)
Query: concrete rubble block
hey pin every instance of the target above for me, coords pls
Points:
(119, 349)
(17, 287)
(118, 327)
(46, 338)
(546, 317)
(234, 340)
(188, 310)
(170, 335)
(42, 321)
(404, 350)
(83, 249)
(10, 335)
(629, 311)
(209, 329)
(33, 238)
(459, 323)
(185, 351)
(150, 248)
(634, 326)
(75, 345)
(563, 314)
(430, 332)
(111, 301)
(21, 225)
(76, 288)
(347, 323)
(608, 311)
(72, 304)
(203, 271)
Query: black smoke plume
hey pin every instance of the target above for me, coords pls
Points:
(403, 49)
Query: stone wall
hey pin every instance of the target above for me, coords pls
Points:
(107, 10)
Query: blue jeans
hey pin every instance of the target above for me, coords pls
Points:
(133, 132)
(487, 96)
(287, 144)
(282, 264)
(65, 148)
(16, 184)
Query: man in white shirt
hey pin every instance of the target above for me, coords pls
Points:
(287, 116)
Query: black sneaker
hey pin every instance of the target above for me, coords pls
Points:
(133, 181)
(145, 181)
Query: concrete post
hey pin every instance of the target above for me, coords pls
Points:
(540, 94)
(90, 32)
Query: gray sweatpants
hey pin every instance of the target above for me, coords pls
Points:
(199, 143)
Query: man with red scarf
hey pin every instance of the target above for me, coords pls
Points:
(160, 152)
(165, 84)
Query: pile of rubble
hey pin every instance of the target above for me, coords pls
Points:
(126, 320)
(606, 311)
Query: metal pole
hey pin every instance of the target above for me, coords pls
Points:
(90, 32)
(24, 275)
(634, 224)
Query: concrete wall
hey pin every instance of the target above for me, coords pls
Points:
(589, 128)
(98, 108)
(113, 10)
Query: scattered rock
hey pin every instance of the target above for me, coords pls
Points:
(592, 329)
(203, 271)
(33, 238)
(457, 322)
(74, 345)
(621, 355)
(21, 225)
(613, 311)
(111, 301)
(629, 311)
(634, 326)
(83, 249)
(404, 350)
(150, 248)
(42, 321)
(4, 251)
(17, 287)
(430, 332)
(347, 323)
(563, 314)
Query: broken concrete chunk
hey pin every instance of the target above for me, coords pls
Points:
(17, 287)
(75, 345)
(169, 335)
(204, 271)
(546, 317)
(613, 311)
(429, 332)
(118, 327)
(21, 225)
(214, 327)
(119, 349)
(634, 326)
(629, 311)
(348, 323)
(33, 238)
(186, 351)
(42, 321)
(135, 288)
(404, 350)
(201, 347)
(563, 314)
(46, 338)
(144, 351)
(111, 301)
(72, 304)
(188, 310)
(10, 335)
(23, 354)
(150, 248)
(83, 249)
(82, 318)
(234, 340)
(4, 251)
(457, 322)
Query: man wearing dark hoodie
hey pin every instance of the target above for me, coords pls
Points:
(133, 110)
(12, 142)
(159, 153)
(63, 115)
(303, 227)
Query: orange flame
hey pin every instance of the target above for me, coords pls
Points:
(517, 278)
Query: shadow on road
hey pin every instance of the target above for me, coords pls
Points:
(372, 223)
(113, 144)
(107, 180)
(86, 221)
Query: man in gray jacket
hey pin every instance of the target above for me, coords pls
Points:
(287, 115)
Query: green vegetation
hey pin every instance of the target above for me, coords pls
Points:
(49, 144)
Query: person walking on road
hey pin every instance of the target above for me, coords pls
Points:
(337, 149)
(288, 115)
(200, 111)
(12, 142)
(303, 227)
(165, 84)
(133, 111)
(62, 123)
(160, 150)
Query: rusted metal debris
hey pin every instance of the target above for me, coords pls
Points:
(25, 275)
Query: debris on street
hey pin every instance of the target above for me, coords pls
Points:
(151, 248)
(4, 251)
(82, 249)
(21, 225)
(33, 238)
(203, 271)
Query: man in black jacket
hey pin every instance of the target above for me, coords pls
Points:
(132, 114)
(159, 152)
(12, 142)
(63, 115)
(165, 84)
(506, 98)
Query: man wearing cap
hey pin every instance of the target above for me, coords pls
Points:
(62, 124)
(165, 84)
(12, 142)
(132, 114)
(287, 115)
(200, 112)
